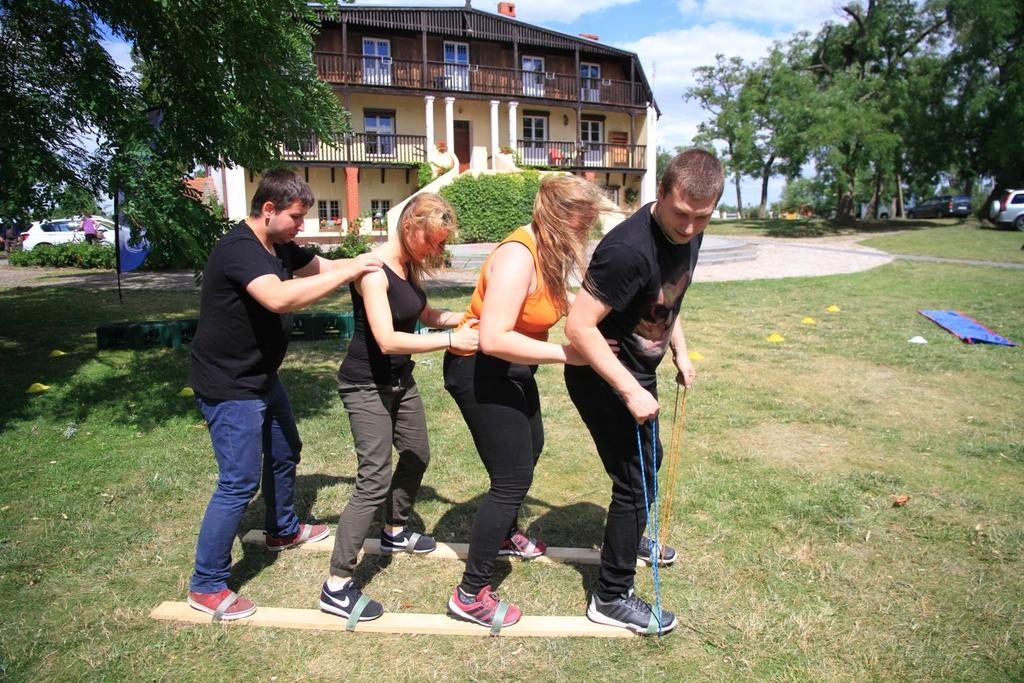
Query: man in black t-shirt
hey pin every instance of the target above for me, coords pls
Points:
(631, 293)
(245, 309)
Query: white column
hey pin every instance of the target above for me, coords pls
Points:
(512, 125)
(231, 187)
(449, 125)
(648, 186)
(494, 135)
(428, 107)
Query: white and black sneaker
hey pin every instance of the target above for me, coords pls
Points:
(666, 553)
(629, 611)
(348, 600)
(406, 541)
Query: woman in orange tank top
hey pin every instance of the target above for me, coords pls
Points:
(521, 294)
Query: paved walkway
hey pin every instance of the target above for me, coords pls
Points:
(776, 258)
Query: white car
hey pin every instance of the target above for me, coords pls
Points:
(64, 230)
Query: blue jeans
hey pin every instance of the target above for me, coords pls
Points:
(253, 440)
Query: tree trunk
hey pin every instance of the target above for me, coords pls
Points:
(899, 195)
(766, 173)
(844, 212)
(739, 199)
(876, 197)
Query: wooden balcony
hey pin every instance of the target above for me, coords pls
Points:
(585, 155)
(369, 149)
(384, 72)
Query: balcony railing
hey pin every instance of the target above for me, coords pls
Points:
(365, 148)
(557, 154)
(335, 67)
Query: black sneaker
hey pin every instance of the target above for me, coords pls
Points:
(406, 542)
(666, 553)
(346, 599)
(629, 611)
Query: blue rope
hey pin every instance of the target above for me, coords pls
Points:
(652, 517)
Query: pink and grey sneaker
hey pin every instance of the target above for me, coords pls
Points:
(485, 609)
(225, 605)
(519, 545)
(307, 533)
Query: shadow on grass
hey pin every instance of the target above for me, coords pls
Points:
(257, 558)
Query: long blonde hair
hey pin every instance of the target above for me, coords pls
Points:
(431, 215)
(565, 210)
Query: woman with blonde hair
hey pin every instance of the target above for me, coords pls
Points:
(381, 398)
(520, 295)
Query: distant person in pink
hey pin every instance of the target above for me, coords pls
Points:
(89, 228)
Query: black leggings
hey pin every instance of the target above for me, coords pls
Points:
(615, 435)
(500, 403)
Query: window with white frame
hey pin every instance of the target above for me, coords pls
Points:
(456, 65)
(328, 210)
(379, 212)
(590, 82)
(380, 133)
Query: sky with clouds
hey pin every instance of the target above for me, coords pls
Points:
(671, 37)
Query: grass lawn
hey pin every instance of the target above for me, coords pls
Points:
(963, 241)
(794, 563)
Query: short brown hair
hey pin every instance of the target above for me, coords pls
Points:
(697, 172)
(280, 187)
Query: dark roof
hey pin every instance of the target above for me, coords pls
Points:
(475, 23)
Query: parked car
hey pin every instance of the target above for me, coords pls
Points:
(64, 230)
(1008, 210)
(943, 206)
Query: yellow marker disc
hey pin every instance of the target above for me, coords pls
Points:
(57, 353)
(695, 355)
(37, 388)
(808, 321)
(833, 309)
(186, 391)
(775, 338)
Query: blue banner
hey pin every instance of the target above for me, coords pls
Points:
(132, 252)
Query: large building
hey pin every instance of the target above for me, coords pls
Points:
(480, 92)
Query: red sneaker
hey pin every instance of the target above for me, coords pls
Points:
(486, 609)
(307, 533)
(224, 605)
(519, 545)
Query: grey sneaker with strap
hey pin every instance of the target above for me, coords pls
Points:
(630, 611)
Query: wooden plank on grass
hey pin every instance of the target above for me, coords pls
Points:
(445, 551)
(422, 624)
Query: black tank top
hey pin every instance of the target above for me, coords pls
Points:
(365, 363)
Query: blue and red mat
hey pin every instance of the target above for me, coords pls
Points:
(965, 329)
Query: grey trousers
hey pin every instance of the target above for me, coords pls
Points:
(381, 416)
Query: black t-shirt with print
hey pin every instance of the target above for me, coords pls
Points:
(239, 344)
(642, 276)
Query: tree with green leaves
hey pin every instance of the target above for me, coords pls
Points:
(227, 82)
(718, 92)
(772, 97)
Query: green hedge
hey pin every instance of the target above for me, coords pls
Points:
(351, 246)
(489, 207)
(72, 255)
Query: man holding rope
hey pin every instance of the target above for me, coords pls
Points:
(632, 293)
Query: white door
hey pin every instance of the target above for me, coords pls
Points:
(534, 140)
(456, 65)
(590, 82)
(591, 135)
(533, 76)
(376, 61)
